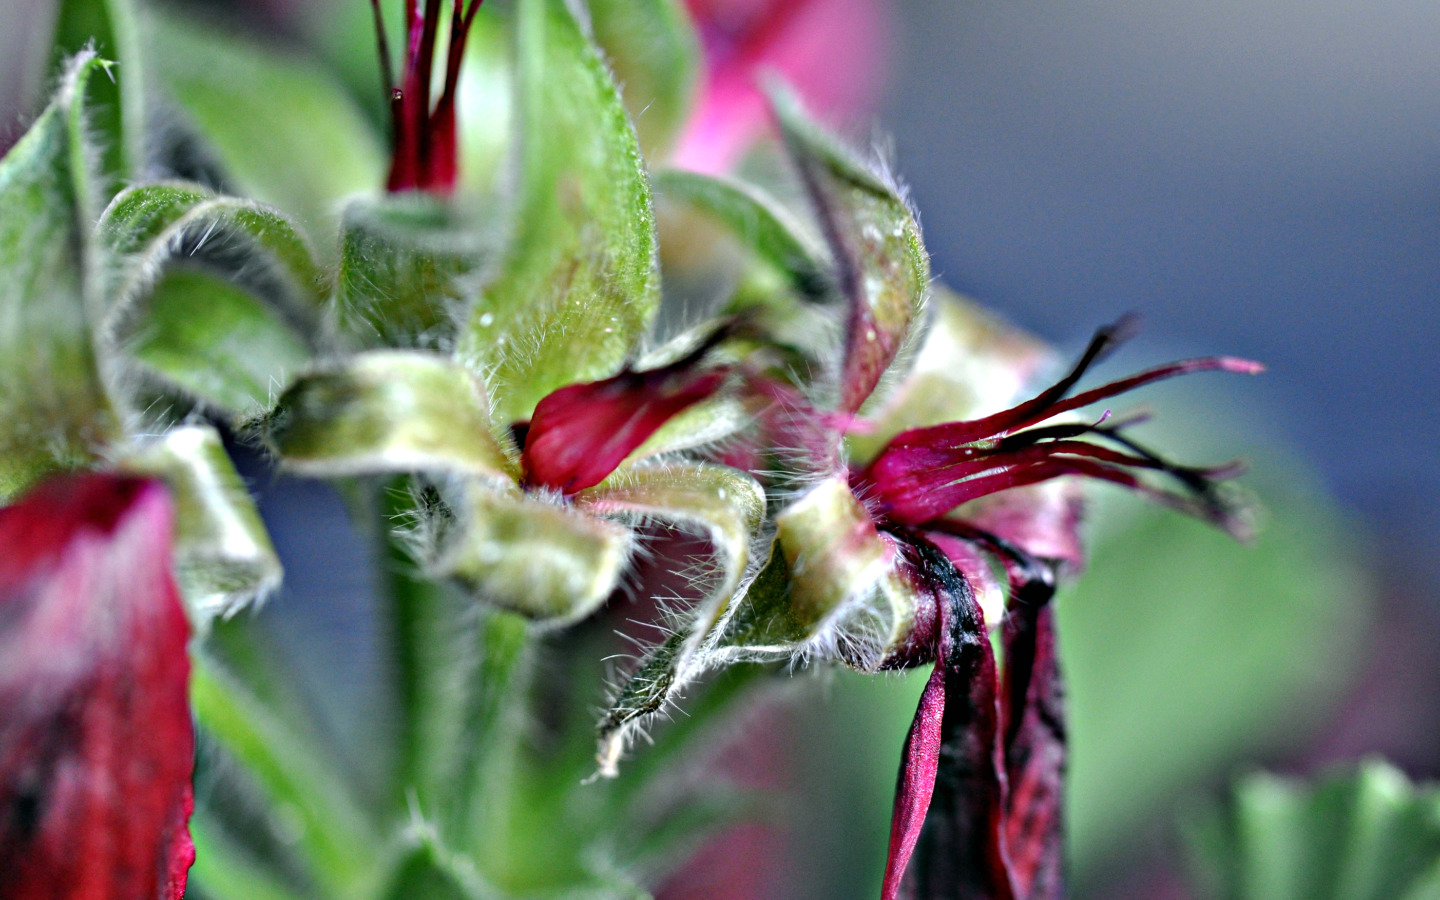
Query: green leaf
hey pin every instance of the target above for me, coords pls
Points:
(1367, 835)
(54, 405)
(223, 555)
(117, 121)
(214, 343)
(333, 830)
(760, 224)
(546, 562)
(881, 267)
(578, 286)
(389, 411)
(402, 261)
(970, 364)
(224, 871)
(653, 50)
(282, 127)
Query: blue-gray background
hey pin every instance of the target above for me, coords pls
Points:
(1259, 177)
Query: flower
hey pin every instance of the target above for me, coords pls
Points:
(997, 827)
(423, 135)
(96, 741)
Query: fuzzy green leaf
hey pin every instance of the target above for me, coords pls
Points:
(550, 563)
(281, 126)
(728, 508)
(653, 49)
(578, 286)
(402, 261)
(389, 411)
(1370, 835)
(830, 588)
(54, 406)
(223, 555)
(881, 268)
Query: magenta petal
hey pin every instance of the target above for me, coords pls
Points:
(581, 433)
(916, 784)
(96, 743)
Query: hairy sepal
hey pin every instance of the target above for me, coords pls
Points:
(407, 264)
(389, 411)
(56, 408)
(224, 560)
(881, 270)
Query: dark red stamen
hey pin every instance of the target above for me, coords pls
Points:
(925, 473)
(424, 142)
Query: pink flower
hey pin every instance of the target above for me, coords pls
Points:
(96, 742)
(831, 51)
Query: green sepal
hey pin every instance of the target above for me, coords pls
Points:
(223, 556)
(403, 261)
(550, 563)
(725, 505)
(578, 285)
(1366, 835)
(148, 227)
(389, 411)
(653, 50)
(214, 344)
(117, 120)
(834, 588)
(758, 222)
(970, 364)
(283, 129)
(56, 409)
(881, 271)
(728, 508)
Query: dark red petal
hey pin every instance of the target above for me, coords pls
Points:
(96, 743)
(959, 851)
(581, 433)
(1034, 750)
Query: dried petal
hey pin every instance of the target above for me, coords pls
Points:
(1034, 751)
(959, 852)
(96, 742)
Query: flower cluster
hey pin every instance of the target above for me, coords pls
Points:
(517, 394)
